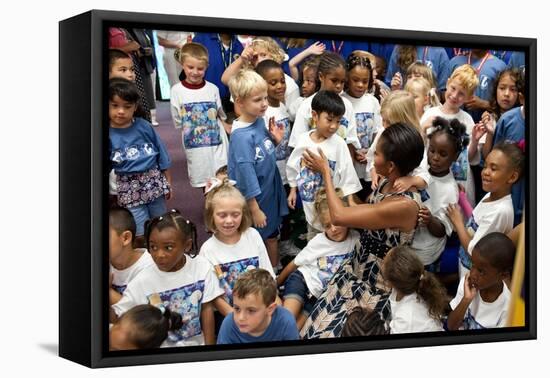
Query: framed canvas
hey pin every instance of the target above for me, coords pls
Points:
(84, 272)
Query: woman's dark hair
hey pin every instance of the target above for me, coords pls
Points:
(360, 61)
(330, 61)
(499, 250)
(364, 322)
(125, 89)
(405, 272)
(174, 219)
(266, 65)
(516, 156)
(150, 325)
(516, 75)
(328, 102)
(402, 145)
(455, 131)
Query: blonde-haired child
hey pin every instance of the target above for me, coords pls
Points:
(460, 88)
(196, 109)
(425, 95)
(252, 160)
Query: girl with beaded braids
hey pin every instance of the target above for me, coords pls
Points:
(446, 140)
(179, 280)
(417, 298)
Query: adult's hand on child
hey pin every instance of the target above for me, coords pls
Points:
(402, 184)
(259, 218)
(317, 163)
(277, 133)
(454, 214)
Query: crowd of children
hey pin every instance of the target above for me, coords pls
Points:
(250, 133)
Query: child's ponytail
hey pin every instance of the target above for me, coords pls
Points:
(433, 293)
(174, 219)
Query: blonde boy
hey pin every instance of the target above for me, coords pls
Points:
(256, 317)
(197, 110)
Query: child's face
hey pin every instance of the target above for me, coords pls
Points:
(117, 243)
(385, 119)
(251, 315)
(309, 81)
(358, 81)
(455, 94)
(334, 233)
(260, 54)
(123, 68)
(497, 173)
(483, 275)
(194, 70)
(228, 214)
(441, 154)
(333, 80)
(326, 124)
(167, 249)
(121, 112)
(276, 86)
(119, 336)
(507, 92)
(254, 105)
(420, 100)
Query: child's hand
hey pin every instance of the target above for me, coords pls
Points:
(478, 131)
(259, 218)
(470, 290)
(291, 200)
(361, 156)
(383, 92)
(316, 49)
(489, 122)
(396, 82)
(475, 103)
(276, 132)
(424, 216)
(247, 55)
(402, 184)
(461, 188)
(454, 214)
(375, 178)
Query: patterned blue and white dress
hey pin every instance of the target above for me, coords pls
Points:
(357, 282)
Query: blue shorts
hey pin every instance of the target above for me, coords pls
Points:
(296, 288)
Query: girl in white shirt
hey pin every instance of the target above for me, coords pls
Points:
(417, 298)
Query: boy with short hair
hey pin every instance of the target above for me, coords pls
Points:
(460, 89)
(327, 109)
(126, 262)
(121, 65)
(196, 109)
(256, 317)
(482, 298)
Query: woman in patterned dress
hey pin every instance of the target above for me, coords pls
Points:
(387, 219)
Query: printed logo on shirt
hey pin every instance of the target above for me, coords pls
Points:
(132, 153)
(328, 265)
(229, 272)
(148, 149)
(428, 63)
(264, 149)
(309, 181)
(460, 166)
(119, 288)
(483, 82)
(470, 322)
(200, 124)
(365, 128)
(186, 301)
(281, 151)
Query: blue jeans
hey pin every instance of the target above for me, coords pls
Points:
(143, 213)
(296, 288)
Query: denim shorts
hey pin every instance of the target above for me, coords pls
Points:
(296, 288)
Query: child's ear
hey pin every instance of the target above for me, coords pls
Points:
(514, 177)
(188, 244)
(126, 238)
(271, 308)
(521, 99)
(391, 166)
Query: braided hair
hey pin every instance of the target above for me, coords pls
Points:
(455, 130)
(174, 219)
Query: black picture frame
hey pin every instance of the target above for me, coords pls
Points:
(83, 271)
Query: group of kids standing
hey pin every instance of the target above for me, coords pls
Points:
(332, 133)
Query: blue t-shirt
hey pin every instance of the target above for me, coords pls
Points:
(434, 57)
(252, 163)
(344, 48)
(511, 127)
(382, 50)
(282, 327)
(219, 58)
(137, 149)
(517, 61)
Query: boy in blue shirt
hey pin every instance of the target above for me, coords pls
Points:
(256, 317)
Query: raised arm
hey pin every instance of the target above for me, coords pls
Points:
(246, 56)
(315, 49)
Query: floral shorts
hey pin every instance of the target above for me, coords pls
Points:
(141, 188)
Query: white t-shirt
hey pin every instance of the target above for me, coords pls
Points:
(304, 123)
(121, 278)
(293, 108)
(183, 291)
(420, 171)
(196, 112)
(368, 122)
(229, 261)
(411, 314)
(174, 36)
(321, 258)
(292, 91)
(481, 314)
(461, 168)
(282, 151)
(308, 182)
(442, 191)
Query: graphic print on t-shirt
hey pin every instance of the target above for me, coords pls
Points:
(266, 148)
(133, 152)
(470, 322)
(365, 128)
(119, 288)
(229, 272)
(281, 151)
(328, 265)
(309, 181)
(460, 166)
(465, 258)
(186, 301)
(200, 124)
